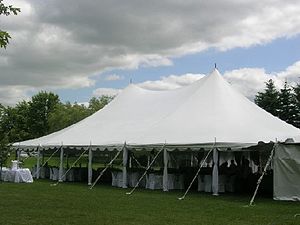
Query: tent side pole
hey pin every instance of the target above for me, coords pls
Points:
(148, 167)
(165, 174)
(196, 175)
(90, 169)
(38, 163)
(215, 173)
(61, 165)
(263, 173)
(108, 165)
(125, 161)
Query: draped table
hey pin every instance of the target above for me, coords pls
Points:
(16, 176)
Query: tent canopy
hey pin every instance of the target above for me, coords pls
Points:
(207, 111)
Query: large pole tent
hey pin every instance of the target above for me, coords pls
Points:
(209, 112)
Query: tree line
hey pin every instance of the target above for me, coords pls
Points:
(43, 114)
(283, 103)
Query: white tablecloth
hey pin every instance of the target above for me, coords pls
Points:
(17, 176)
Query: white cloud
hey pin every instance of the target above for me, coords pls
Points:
(113, 77)
(106, 91)
(171, 82)
(247, 81)
(9, 95)
(65, 44)
(251, 80)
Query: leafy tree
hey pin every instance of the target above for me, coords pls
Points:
(4, 146)
(288, 105)
(65, 115)
(40, 107)
(269, 98)
(96, 104)
(6, 10)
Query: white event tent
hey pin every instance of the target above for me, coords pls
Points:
(207, 113)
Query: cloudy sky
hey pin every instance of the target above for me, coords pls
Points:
(81, 49)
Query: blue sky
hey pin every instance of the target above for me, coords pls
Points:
(274, 57)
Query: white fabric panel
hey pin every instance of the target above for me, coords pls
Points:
(154, 181)
(90, 169)
(54, 173)
(125, 160)
(215, 173)
(38, 166)
(142, 117)
(287, 172)
(117, 179)
(165, 174)
(61, 168)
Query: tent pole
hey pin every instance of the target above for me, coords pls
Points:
(196, 175)
(38, 163)
(109, 164)
(148, 167)
(165, 175)
(38, 170)
(263, 173)
(125, 162)
(90, 169)
(64, 175)
(61, 165)
(215, 173)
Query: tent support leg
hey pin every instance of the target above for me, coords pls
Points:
(109, 164)
(64, 175)
(125, 161)
(263, 173)
(165, 175)
(215, 173)
(196, 175)
(38, 170)
(90, 169)
(148, 167)
(38, 163)
(61, 165)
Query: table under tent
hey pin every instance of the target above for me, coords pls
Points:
(206, 125)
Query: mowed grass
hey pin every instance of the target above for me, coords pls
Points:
(73, 203)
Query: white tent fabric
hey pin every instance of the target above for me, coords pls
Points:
(287, 172)
(209, 110)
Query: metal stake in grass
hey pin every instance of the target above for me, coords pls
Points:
(149, 166)
(196, 175)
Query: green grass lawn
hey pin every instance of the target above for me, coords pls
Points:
(73, 203)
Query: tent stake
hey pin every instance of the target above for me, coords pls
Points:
(109, 164)
(196, 175)
(137, 184)
(263, 173)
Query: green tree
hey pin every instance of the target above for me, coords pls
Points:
(96, 104)
(287, 105)
(269, 98)
(6, 10)
(296, 90)
(4, 143)
(65, 115)
(40, 107)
